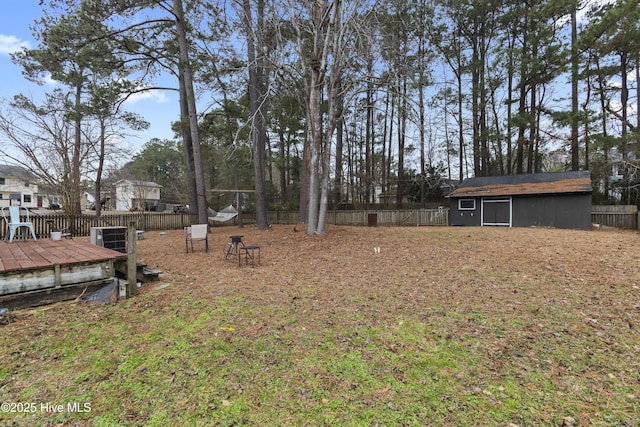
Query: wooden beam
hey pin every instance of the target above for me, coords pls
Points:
(51, 295)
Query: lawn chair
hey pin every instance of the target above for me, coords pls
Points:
(14, 223)
(195, 233)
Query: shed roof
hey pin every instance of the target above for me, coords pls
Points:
(525, 184)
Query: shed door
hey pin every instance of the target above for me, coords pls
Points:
(496, 212)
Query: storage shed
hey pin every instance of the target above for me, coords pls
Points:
(558, 199)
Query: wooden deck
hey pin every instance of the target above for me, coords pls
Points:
(30, 255)
(44, 271)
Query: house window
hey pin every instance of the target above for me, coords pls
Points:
(1, 180)
(467, 204)
(27, 198)
(26, 183)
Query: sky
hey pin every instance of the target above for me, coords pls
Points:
(160, 108)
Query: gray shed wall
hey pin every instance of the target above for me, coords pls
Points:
(571, 211)
(465, 217)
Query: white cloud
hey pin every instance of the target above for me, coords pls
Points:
(617, 106)
(155, 95)
(49, 81)
(10, 44)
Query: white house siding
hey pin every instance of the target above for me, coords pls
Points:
(134, 194)
(16, 189)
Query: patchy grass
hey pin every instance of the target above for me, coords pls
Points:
(446, 326)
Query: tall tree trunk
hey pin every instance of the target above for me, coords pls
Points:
(605, 131)
(575, 160)
(333, 111)
(283, 172)
(484, 147)
(337, 181)
(187, 144)
(522, 103)
(532, 128)
(369, 139)
(314, 135)
(421, 119)
(98, 183)
(390, 114)
(461, 153)
(74, 191)
(402, 133)
(383, 150)
(638, 100)
(305, 172)
(510, 77)
(624, 99)
(256, 96)
(185, 67)
(475, 99)
(325, 17)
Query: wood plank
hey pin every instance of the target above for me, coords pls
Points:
(46, 252)
(48, 296)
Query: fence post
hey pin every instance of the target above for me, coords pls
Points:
(131, 259)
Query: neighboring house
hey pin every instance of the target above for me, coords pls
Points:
(560, 200)
(88, 201)
(18, 187)
(389, 197)
(136, 195)
(619, 169)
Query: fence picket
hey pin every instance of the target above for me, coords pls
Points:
(611, 216)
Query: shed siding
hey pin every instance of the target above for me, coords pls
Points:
(468, 218)
(571, 211)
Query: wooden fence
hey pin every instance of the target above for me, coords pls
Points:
(625, 216)
(415, 217)
(81, 225)
(155, 221)
(611, 216)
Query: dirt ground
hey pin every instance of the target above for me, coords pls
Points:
(552, 309)
(427, 269)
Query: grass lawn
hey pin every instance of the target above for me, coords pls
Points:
(445, 326)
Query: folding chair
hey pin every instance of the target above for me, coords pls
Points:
(195, 233)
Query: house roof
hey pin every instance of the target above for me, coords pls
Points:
(525, 184)
(13, 171)
(138, 183)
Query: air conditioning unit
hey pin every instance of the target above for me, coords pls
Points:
(114, 238)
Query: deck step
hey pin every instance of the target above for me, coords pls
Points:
(151, 272)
